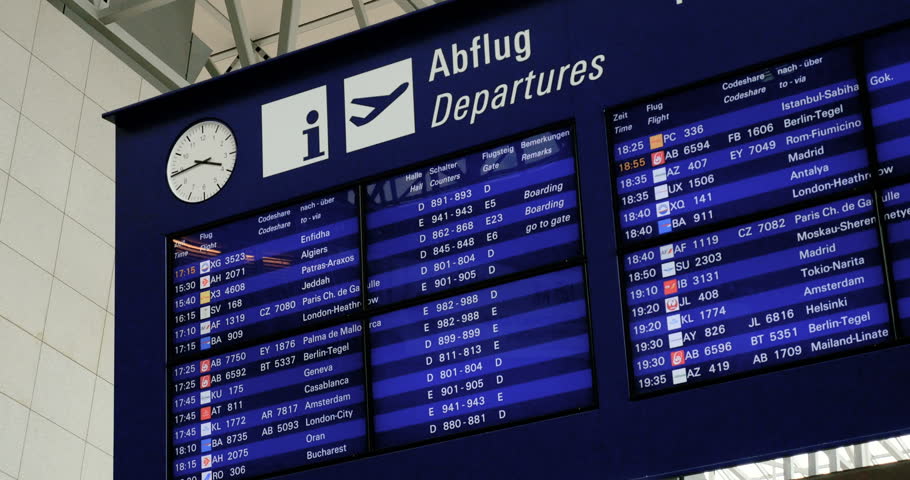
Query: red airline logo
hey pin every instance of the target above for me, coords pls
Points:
(205, 381)
(658, 159)
(678, 358)
(205, 366)
(671, 286)
(205, 413)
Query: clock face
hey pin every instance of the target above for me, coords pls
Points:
(201, 161)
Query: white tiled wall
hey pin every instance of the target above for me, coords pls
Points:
(57, 244)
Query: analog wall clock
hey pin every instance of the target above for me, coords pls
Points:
(201, 161)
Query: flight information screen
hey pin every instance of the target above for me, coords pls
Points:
(483, 215)
(264, 274)
(764, 139)
(771, 292)
(897, 220)
(888, 64)
(490, 357)
(278, 405)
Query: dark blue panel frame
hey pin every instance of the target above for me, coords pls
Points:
(651, 46)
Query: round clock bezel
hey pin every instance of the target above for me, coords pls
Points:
(170, 156)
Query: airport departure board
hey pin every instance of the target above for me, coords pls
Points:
(498, 355)
(274, 406)
(896, 202)
(489, 213)
(263, 274)
(280, 360)
(888, 77)
(771, 292)
(763, 139)
(450, 297)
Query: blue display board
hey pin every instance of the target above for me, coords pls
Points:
(777, 291)
(897, 218)
(259, 410)
(888, 74)
(781, 134)
(242, 281)
(527, 105)
(503, 210)
(489, 357)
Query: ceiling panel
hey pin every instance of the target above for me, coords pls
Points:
(321, 20)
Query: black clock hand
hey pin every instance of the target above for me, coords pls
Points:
(207, 161)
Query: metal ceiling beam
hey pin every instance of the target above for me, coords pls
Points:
(287, 33)
(84, 13)
(122, 9)
(241, 33)
(216, 14)
(361, 13)
(406, 5)
(736, 473)
(303, 28)
(886, 444)
(211, 68)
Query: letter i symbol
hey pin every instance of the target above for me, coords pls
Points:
(314, 148)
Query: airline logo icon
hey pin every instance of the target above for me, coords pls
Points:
(205, 397)
(206, 461)
(665, 226)
(678, 358)
(667, 252)
(295, 131)
(205, 267)
(661, 192)
(663, 209)
(205, 381)
(671, 287)
(205, 413)
(675, 339)
(656, 141)
(668, 269)
(379, 105)
(659, 174)
(205, 312)
(679, 376)
(205, 281)
(658, 159)
(205, 429)
(205, 297)
(205, 366)
(672, 304)
(207, 475)
(205, 343)
(674, 322)
(206, 445)
(205, 327)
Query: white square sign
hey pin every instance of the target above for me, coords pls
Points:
(295, 131)
(379, 105)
